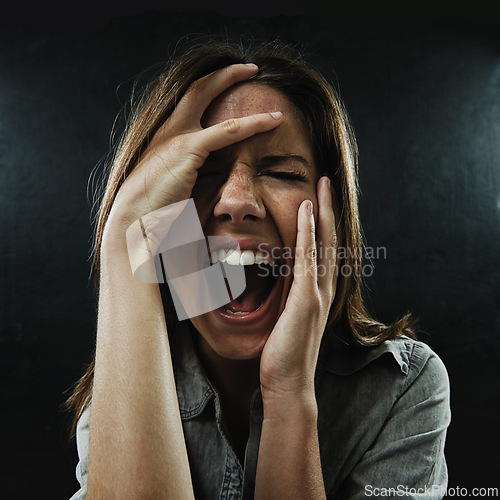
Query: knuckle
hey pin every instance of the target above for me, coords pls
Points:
(231, 126)
(334, 240)
(311, 253)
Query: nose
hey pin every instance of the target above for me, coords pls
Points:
(239, 199)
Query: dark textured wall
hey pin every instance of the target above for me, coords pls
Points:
(425, 103)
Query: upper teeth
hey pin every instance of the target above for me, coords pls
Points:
(238, 258)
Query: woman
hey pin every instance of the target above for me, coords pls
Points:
(290, 390)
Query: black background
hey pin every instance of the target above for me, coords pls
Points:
(423, 91)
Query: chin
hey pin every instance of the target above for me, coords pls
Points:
(240, 351)
(236, 342)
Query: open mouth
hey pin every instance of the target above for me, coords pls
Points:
(261, 275)
(259, 283)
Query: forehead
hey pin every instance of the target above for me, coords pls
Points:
(246, 99)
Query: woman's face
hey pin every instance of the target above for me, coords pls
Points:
(251, 192)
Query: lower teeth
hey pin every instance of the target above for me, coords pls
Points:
(242, 313)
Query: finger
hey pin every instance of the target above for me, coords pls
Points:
(203, 91)
(305, 269)
(234, 130)
(327, 236)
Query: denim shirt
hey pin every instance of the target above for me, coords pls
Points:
(382, 419)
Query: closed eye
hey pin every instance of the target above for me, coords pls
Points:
(285, 176)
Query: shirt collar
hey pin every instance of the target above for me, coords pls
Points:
(350, 360)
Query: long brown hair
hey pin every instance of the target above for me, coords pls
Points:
(334, 148)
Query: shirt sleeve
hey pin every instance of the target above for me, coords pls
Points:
(407, 457)
(82, 444)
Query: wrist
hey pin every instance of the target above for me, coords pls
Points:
(291, 405)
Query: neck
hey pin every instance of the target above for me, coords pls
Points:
(236, 380)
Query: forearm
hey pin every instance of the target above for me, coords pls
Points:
(137, 447)
(289, 464)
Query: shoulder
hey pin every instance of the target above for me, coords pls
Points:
(411, 357)
(383, 398)
(396, 368)
(425, 366)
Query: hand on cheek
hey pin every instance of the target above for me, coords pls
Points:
(289, 358)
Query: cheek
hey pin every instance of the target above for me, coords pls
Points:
(284, 210)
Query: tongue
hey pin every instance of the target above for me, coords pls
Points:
(247, 302)
(256, 291)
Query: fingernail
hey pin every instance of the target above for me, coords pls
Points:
(276, 115)
(251, 65)
(328, 183)
(309, 207)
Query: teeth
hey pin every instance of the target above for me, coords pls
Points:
(237, 313)
(262, 258)
(242, 313)
(247, 258)
(237, 258)
(222, 255)
(233, 258)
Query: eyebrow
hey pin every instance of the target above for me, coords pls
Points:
(279, 159)
(268, 160)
